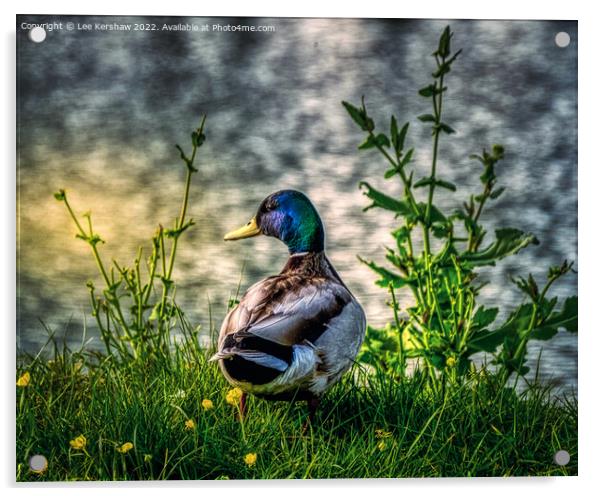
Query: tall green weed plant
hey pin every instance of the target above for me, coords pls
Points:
(437, 256)
(135, 306)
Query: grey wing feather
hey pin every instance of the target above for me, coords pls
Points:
(253, 356)
(287, 321)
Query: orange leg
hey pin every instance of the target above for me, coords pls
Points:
(242, 406)
(312, 406)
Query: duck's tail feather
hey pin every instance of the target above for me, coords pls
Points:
(254, 356)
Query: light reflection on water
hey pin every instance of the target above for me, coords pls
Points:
(275, 121)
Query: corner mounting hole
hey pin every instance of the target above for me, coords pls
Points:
(37, 34)
(38, 463)
(562, 458)
(562, 39)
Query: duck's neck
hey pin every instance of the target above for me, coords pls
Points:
(307, 263)
(310, 264)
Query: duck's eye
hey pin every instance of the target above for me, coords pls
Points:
(271, 205)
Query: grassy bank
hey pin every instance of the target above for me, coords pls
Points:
(366, 427)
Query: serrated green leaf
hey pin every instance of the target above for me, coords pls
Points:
(402, 233)
(485, 340)
(444, 42)
(436, 214)
(445, 184)
(496, 193)
(483, 317)
(427, 91)
(563, 319)
(547, 306)
(427, 118)
(402, 136)
(155, 312)
(384, 201)
(394, 133)
(446, 67)
(508, 241)
(555, 271)
(382, 140)
(386, 276)
(488, 174)
(441, 71)
(436, 359)
(370, 142)
(474, 156)
(447, 129)
(544, 333)
(174, 233)
(440, 231)
(356, 114)
(421, 183)
(427, 181)
(407, 158)
(374, 141)
(528, 286)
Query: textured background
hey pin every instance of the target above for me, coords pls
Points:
(99, 113)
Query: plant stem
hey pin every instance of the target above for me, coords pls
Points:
(437, 109)
(99, 264)
(152, 272)
(399, 330)
(522, 347)
(397, 165)
(180, 221)
(87, 237)
(472, 244)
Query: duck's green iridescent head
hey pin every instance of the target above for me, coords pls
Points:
(289, 216)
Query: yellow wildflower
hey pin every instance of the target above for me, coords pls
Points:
(233, 396)
(79, 443)
(207, 404)
(382, 434)
(451, 361)
(250, 459)
(148, 457)
(24, 380)
(381, 445)
(189, 424)
(125, 447)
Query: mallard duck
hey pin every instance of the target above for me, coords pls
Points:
(292, 335)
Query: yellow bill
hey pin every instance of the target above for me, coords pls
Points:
(246, 231)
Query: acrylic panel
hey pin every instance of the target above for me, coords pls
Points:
(400, 301)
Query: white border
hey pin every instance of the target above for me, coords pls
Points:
(590, 54)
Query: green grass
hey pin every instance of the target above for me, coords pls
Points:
(476, 429)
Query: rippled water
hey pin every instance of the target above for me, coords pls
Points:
(99, 114)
